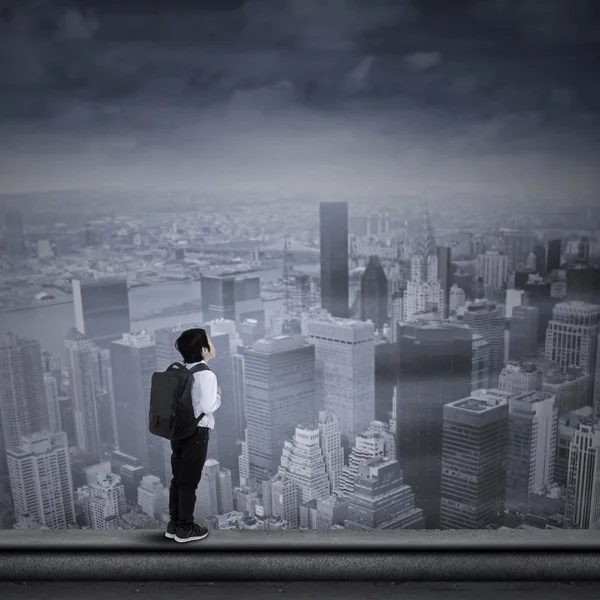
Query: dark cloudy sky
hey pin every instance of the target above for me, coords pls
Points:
(327, 97)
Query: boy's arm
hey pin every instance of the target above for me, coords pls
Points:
(205, 392)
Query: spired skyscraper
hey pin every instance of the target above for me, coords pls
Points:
(102, 309)
(424, 292)
(333, 227)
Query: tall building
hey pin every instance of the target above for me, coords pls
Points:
(553, 257)
(533, 430)
(513, 299)
(385, 377)
(133, 360)
(424, 292)
(232, 297)
(152, 496)
(518, 245)
(284, 499)
(582, 510)
(520, 377)
(345, 352)
(215, 492)
(474, 439)
(280, 394)
(539, 251)
(480, 374)
(434, 369)
(23, 401)
(486, 319)
(330, 441)
(492, 268)
(444, 256)
(523, 336)
(103, 502)
(51, 387)
(101, 309)
(82, 366)
(571, 388)
(368, 446)
(538, 293)
(572, 336)
(381, 499)
(302, 460)
(239, 396)
(15, 234)
(40, 478)
(374, 294)
(333, 225)
(583, 283)
(567, 426)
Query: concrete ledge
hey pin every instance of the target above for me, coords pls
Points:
(434, 556)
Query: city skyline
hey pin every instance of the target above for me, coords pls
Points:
(383, 213)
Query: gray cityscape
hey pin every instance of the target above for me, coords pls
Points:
(385, 216)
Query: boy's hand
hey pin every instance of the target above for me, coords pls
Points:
(218, 390)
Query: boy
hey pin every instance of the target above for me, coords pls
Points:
(189, 455)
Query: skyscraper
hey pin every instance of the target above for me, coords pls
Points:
(232, 297)
(280, 394)
(582, 510)
(23, 401)
(572, 336)
(303, 462)
(345, 351)
(444, 256)
(424, 292)
(133, 360)
(434, 369)
(518, 245)
(333, 227)
(40, 479)
(486, 319)
(374, 294)
(330, 441)
(473, 486)
(101, 309)
(284, 499)
(382, 500)
(492, 267)
(520, 378)
(480, 374)
(82, 365)
(553, 256)
(533, 430)
(103, 502)
(368, 446)
(538, 293)
(15, 235)
(523, 337)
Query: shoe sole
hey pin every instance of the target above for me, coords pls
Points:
(170, 536)
(190, 539)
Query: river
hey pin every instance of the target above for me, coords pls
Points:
(49, 324)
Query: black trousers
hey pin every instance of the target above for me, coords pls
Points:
(187, 462)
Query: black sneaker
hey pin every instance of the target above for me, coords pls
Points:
(171, 530)
(190, 533)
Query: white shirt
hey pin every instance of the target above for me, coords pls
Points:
(205, 396)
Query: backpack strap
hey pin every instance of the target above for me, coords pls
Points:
(196, 369)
